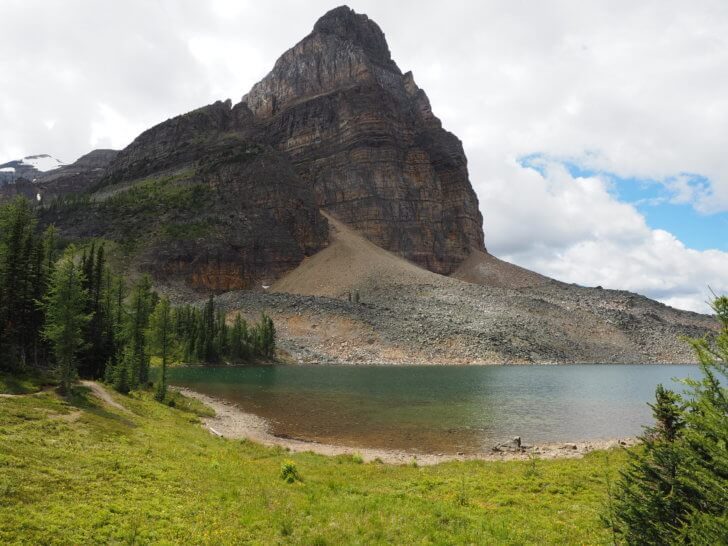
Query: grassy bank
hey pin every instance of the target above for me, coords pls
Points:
(26, 382)
(80, 472)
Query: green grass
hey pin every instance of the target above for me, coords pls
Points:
(151, 209)
(175, 400)
(26, 382)
(77, 473)
(158, 195)
(188, 230)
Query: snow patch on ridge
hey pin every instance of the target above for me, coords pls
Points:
(42, 162)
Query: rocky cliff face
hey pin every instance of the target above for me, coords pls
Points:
(335, 126)
(181, 141)
(364, 137)
(193, 200)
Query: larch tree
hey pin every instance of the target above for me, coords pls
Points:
(138, 322)
(66, 318)
(162, 337)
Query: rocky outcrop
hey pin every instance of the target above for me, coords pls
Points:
(230, 215)
(181, 141)
(80, 176)
(360, 135)
(363, 135)
(335, 126)
(195, 199)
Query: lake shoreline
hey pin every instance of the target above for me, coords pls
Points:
(232, 422)
(424, 364)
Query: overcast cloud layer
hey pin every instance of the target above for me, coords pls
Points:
(623, 90)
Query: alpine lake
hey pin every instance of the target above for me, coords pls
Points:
(441, 409)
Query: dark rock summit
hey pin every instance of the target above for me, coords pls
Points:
(336, 127)
(358, 29)
(364, 137)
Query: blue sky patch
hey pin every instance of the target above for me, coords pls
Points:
(654, 200)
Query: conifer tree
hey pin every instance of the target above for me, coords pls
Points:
(26, 260)
(66, 318)
(119, 374)
(109, 327)
(239, 344)
(208, 336)
(222, 337)
(265, 337)
(17, 227)
(161, 335)
(704, 446)
(35, 349)
(98, 350)
(138, 321)
(50, 237)
(650, 493)
(675, 488)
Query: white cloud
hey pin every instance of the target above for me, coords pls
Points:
(111, 129)
(573, 229)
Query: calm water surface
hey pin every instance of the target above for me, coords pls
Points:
(441, 409)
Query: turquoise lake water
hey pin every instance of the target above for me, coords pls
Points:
(441, 409)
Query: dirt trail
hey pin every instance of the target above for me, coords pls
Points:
(42, 391)
(99, 392)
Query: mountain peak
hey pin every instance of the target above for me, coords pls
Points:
(356, 28)
(344, 49)
(364, 137)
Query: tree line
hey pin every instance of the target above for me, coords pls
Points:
(68, 310)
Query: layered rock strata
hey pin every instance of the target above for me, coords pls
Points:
(363, 135)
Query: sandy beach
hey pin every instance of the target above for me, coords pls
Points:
(232, 422)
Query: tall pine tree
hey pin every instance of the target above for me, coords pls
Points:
(66, 318)
(162, 337)
(140, 309)
(25, 264)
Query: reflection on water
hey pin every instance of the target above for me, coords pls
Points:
(441, 409)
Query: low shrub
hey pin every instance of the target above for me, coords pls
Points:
(289, 472)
